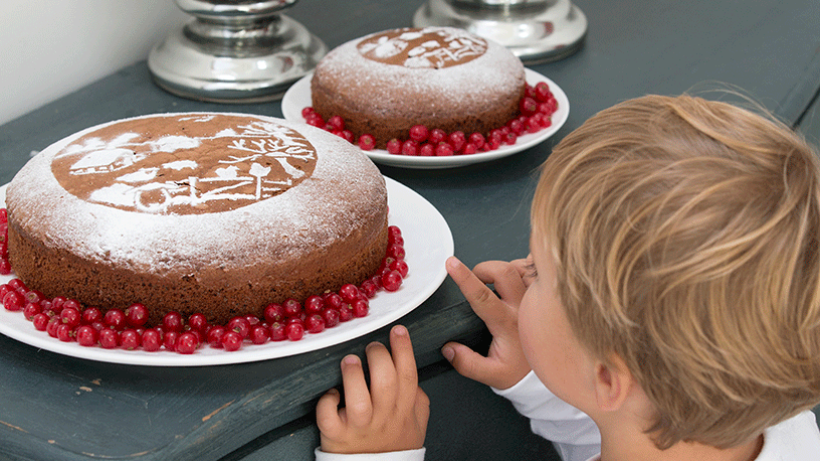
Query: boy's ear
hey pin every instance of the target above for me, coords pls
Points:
(613, 382)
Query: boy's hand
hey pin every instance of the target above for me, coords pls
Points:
(505, 363)
(392, 416)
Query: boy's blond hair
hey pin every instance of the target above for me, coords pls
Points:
(685, 236)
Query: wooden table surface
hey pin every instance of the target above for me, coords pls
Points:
(54, 407)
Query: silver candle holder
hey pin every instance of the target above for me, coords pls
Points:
(235, 51)
(536, 31)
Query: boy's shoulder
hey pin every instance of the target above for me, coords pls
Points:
(795, 439)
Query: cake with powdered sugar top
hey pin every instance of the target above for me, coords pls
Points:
(384, 83)
(212, 213)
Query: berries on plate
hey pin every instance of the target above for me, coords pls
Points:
(535, 111)
(68, 320)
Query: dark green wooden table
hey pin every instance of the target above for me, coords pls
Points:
(59, 408)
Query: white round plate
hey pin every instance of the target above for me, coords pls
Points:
(298, 97)
(427, 241)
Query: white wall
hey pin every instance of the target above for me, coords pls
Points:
(49, 48)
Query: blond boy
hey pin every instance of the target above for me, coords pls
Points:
(672, 297)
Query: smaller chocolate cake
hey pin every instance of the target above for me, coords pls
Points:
(439, 77)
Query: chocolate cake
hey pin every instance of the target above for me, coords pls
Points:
(440, 77)
(219, 214)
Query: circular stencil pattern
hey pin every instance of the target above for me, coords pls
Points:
(435, 48)
(186, 164)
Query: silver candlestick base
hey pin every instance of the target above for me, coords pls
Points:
(235, 51)
(534, 30)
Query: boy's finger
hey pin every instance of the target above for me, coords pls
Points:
(327, 412)
(358, 406)
(483, 301)
(506, 279)
(524, 268)
(405, 361)
(469, 363)
(383, 381)
(421, 405)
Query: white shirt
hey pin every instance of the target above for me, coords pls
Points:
(576, 438)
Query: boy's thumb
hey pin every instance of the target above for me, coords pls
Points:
(466, 361)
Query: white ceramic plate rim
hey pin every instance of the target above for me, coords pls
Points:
(298, 97)
(428, 243)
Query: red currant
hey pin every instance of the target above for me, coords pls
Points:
(457, 140)
(172, 321)
(510, 138)
(65, 332)
(91, 315)
(410, 148)
(315, 324)
(533, 125)
(294, 331)
(307, 111)
(187, 343)
(259, 334)
(231, 341)
(18, 285)
(368, 288)
(395, 251)
(198, 322)
(401, 266)
(240, 325)
(14, 301)
(331, 317)
(315, 120)
(87, 336)
(346, 313)
(136, 315)
(333, 300)
(367, 142)
(277, 332)
(418, 133)
(31, 310)
(51, 326)
(394, 146)
(444, 149)
(72, 303)
(360, 308)
(40, 321)
(392, 233)
(336, 122)
(427, 150)
(169, 340)
(392, 280)
(70, 316)
(292, 308)
(274, 313)
(542, 92)
(349, 292)
(115, 319)
(34, 296)
(314, 304)
(436, 136)
(151, 340)
(477, 139)
(214, 336)
(130, 339)
(108, 338)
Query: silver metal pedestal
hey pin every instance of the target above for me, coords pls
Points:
(235, 51)
(534, 30)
